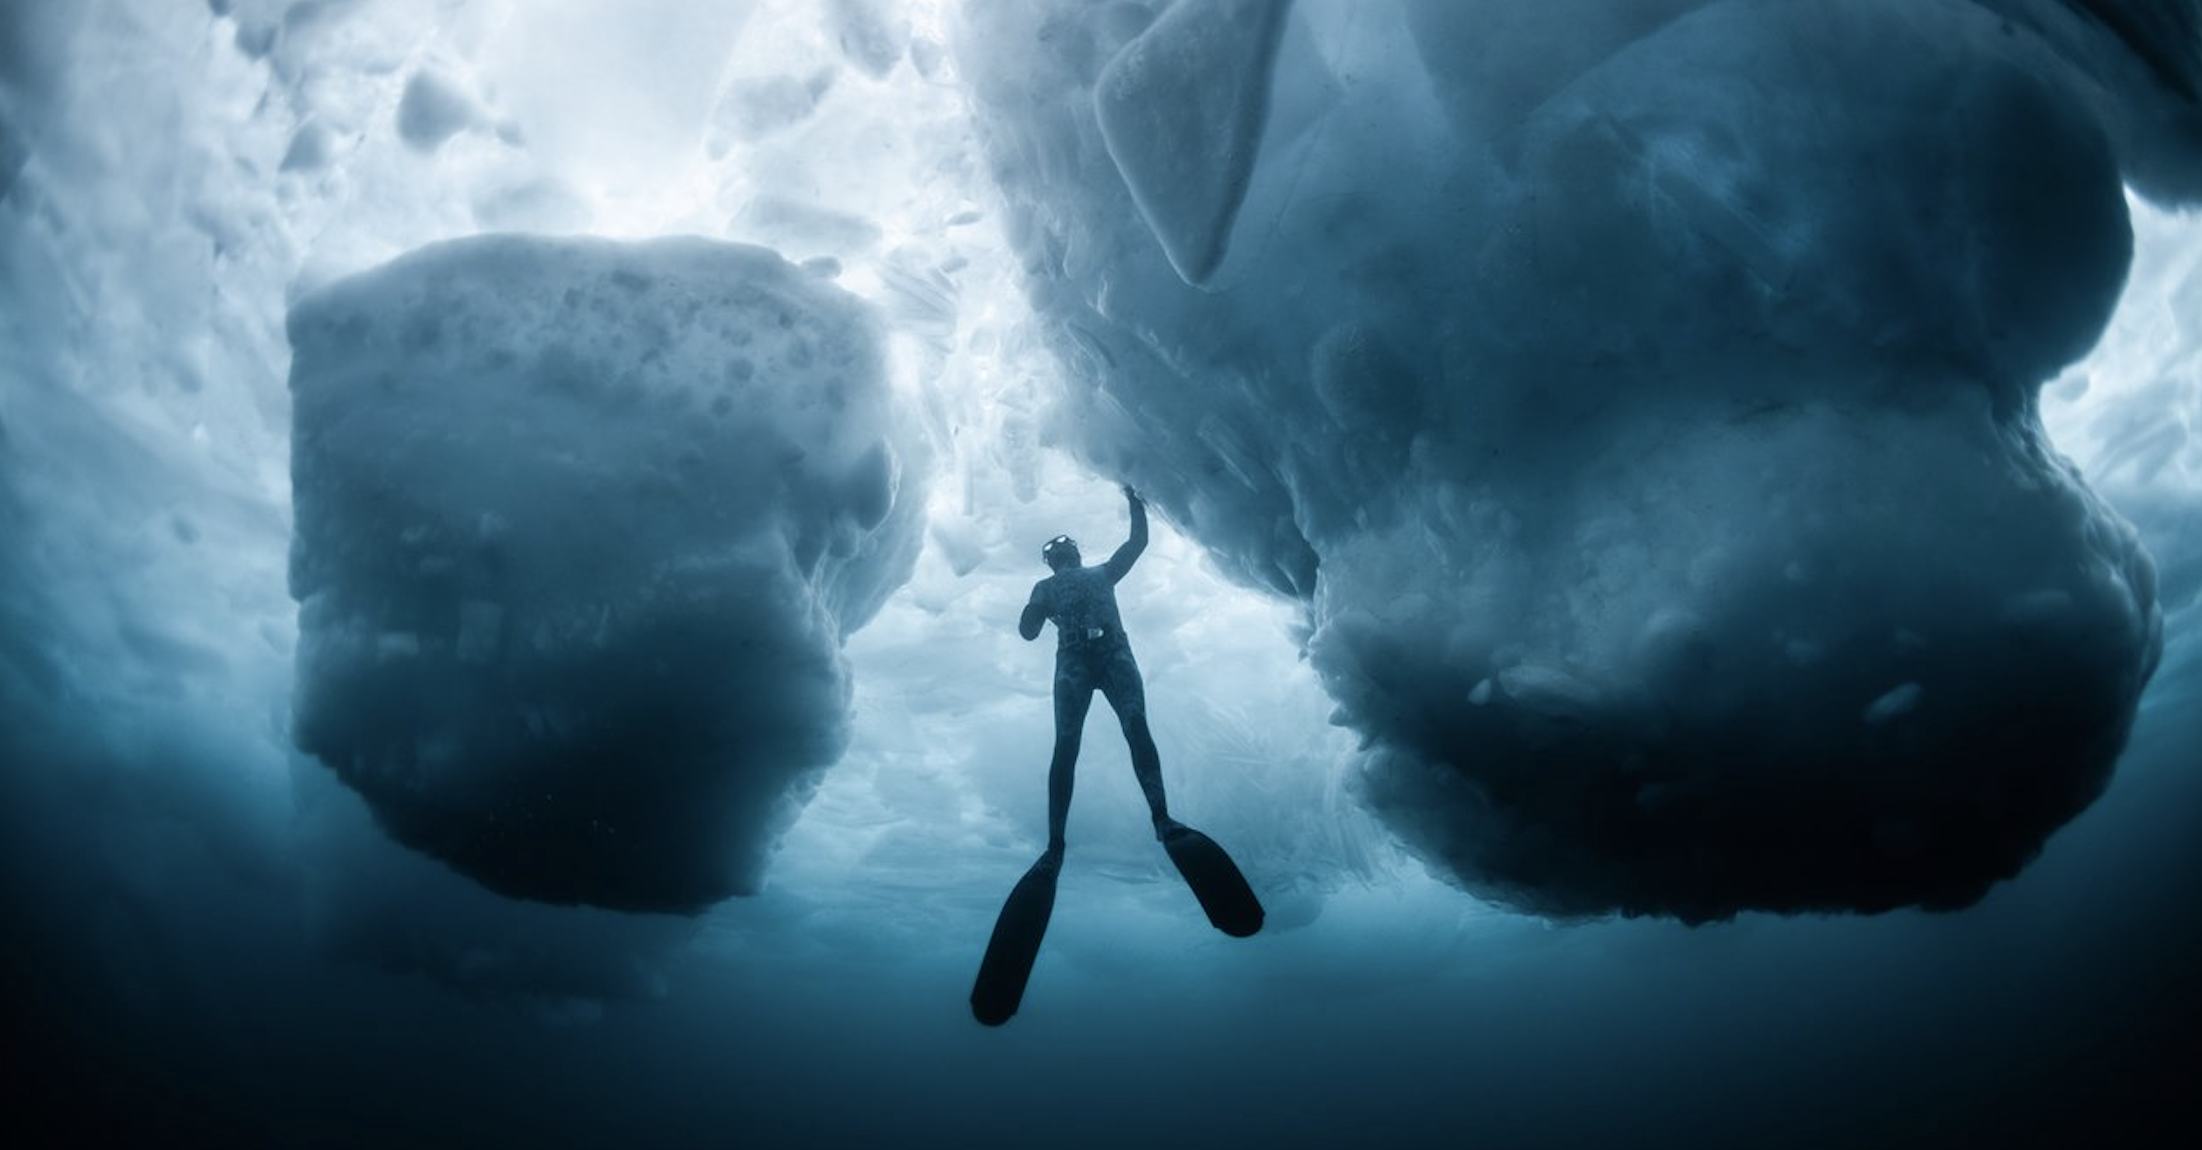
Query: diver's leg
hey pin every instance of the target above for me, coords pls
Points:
(1073, 696)
(1128, 697)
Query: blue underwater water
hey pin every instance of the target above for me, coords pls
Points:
(1677, 536)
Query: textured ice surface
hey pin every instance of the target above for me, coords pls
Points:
(1650, 435)
(432, 111)
(1182, 108)
(581, 526)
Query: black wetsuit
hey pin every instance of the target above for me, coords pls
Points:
(1092, 654)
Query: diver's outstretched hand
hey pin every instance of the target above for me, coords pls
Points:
(1131, 494)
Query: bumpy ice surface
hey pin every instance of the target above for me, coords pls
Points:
(1669, 507)
(580, 529)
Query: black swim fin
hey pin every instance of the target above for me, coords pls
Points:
(1223, 891)
(1016, 942)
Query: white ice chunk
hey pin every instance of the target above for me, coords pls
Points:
(800, 227)
(872, 33)
(433, 109)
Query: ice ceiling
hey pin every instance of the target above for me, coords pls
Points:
(1668, 501)
(1630, 417)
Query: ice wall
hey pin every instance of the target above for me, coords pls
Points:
(1640, 398)
(581, 526)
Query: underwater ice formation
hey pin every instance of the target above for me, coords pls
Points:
(1641, 398)
(581, 526)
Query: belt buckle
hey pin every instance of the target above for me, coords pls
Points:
(1093, 633)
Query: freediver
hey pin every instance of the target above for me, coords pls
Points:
(1092, 654)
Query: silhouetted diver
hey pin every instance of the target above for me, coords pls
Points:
(1092, 654)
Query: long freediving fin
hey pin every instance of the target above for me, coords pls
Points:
(1223, 891)
(1016, 942)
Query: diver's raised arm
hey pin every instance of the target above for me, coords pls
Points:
(1128, 554)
